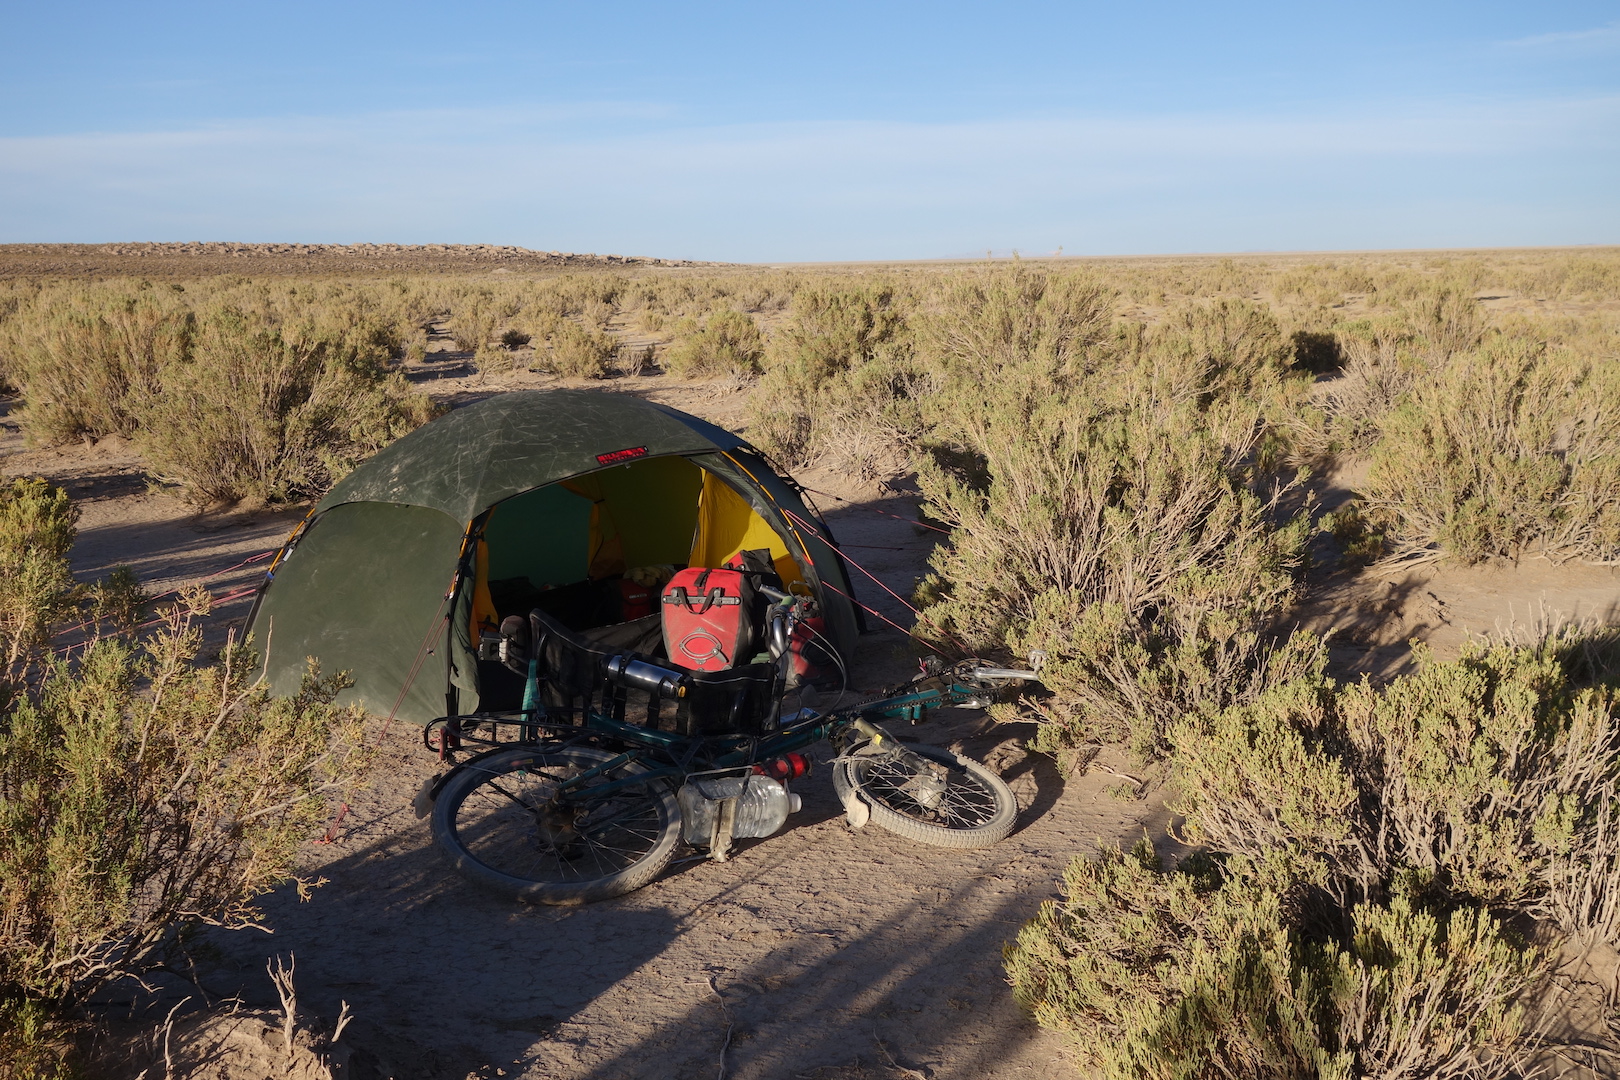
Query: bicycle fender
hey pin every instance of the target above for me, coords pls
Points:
(422, 805)
(856, 812)
(428, 793)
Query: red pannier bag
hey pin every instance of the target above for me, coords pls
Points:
(635, 600)
(708, 619)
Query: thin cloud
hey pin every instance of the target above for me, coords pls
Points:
(1597, 39)
(616, 177)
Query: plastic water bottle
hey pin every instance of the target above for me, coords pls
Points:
(763, 804)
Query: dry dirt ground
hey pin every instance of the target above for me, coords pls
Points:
(821, 952)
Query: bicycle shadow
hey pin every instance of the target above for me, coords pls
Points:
(442, 979)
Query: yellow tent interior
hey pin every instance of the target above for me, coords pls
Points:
(655, 512)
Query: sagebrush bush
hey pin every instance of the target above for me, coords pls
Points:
(1128, 552)
(141, 793)
(144, 795)
(234, 388)
(1508, 450)
(473, 322)
(1447, 317)
(577, 352)
(86, 358)
(35, 1042)
(38, 524)
(726, 343)
(1485, 779)
(1105, 509)
(1379, 369)
(1017, 318)
(265, 409)
(1200, 973)
(841, 386)
(1365, 854)
(493, 360)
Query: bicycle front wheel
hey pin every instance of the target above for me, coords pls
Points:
(929, 794)
(506, 826)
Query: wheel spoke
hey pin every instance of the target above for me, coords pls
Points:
(965, 803)
(511, 821)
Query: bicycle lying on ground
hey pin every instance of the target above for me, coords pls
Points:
(569, 806)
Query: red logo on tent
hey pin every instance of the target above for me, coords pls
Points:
(616, 456)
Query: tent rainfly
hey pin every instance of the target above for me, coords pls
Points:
(528, 499)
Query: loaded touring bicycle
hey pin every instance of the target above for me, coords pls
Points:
(596, 607)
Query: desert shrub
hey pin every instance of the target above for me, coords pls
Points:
(1127, 550)
(473, 321)
(416, 347)
(579, 292)
(1323, 285)
(725, 343)
(1016, 318)
(116, 604)
(86, 358)
(1379, 368)
(1487, 779)
(1200, 973)
(840, 384)
(145, 795)
(266, 409)
(234, 388)
(513, 338)
(493, 360)
(35, 1042)
(1104, 509)
(577, 352)
(38, 524)
(1316, 351)
(1362, 544)
(1365, 855)
(684, 297)
(1569, 277)
(1507, 450)
(141, 793)
(1227, 350)
(833, 330)
(861, 376)
(1446, 317)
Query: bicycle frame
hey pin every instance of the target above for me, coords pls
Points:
(909, 702)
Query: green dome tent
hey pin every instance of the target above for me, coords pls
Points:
(534, 498)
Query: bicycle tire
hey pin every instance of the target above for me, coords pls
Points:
(580, 852)
(976, 809)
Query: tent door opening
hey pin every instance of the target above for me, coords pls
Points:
(594, 552)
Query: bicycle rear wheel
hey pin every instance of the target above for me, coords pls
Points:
(502, 823)
(929, 794)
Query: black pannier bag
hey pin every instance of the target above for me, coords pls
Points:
(573, 673)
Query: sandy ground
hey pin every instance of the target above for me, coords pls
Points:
(820, 952)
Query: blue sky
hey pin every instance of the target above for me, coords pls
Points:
(825, 131)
